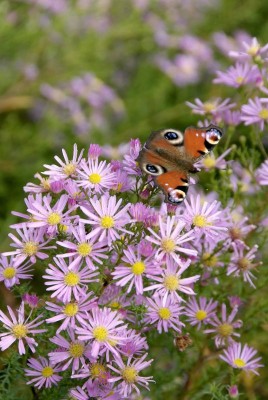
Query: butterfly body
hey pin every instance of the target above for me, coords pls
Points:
(169, 156)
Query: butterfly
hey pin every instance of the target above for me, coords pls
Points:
(169, 156)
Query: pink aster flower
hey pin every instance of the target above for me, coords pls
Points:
(136, 344)
(242, 357)
(133, 269)
(163, 313)
(252, 50)
(30, 244)
(70, 351)
(255, 112)
(43, 372)
(210, 161)
(262, 173)
(207, 219)
(107, 218)
(11, 271)
(43, 187)
(170, 282)
(104, 330)
(128, 374)
(239, 228)
(212, 107)
(72, 312)
(49, 216)
(67, 167)
(94, 151)
(85, 246)
(199, 311)
(170, 239)
(241, 262)
(95, 175)
(31, 299)
(141, 213)
(129, 163)
(238, 75)
(224, 329)
(19, 329)
(29, 201)
(66, 283)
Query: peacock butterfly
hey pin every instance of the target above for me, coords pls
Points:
(169, 156)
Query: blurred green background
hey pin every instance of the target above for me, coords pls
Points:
(90, 72)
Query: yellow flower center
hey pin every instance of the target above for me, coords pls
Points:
(71, 309)
(235, 233)
(138, 268)
(263, 113)
(76, 349)
(239, 80)
(129, 374)
(201, 315)
(209, 260)
(107, 222)
(30, 248)
(100, 333)
(244, 264)
(239, 363)
(118, 187)
(97, 370)
(168, 245)
(69, 169)
(225, 330)
(84, 249)
(94, 178)
(45, 183)
(253, 50)
(171, 282)
(209, 162)
(164, 313)
(54, 218)
(9, 272)
(200, 221)
(47, 372)
(20, 331)
(71, 279)
(63, 228)
(115, 305)
(209, 107)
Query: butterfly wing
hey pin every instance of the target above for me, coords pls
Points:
(157, 159)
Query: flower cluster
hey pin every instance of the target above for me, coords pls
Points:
(118, 264)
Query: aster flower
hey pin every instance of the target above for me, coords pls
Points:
(103, 330)
(163, 313)
(66, 283)
(30, 245)
(43, 187)
(94, 151)
(133, 269)
(170, 239)
(242, 357)
(96, 176)
(11, 271)
(224, 329)
(253, 51)
(199, 311)
(130, 164)
(86, 247)
(238, 75)
(135, 345)
(31, 299)
(241, 263)
(210, 161)
(29, 201)
(206, 219)
(70, 351)
(170, 282)
(94, 371)
(141, 213)
(66, 168)
(239, 228)
(106, 218)
(262, 173)
(50, 217)
(255, 112)
(72, 312)
(19, 329)
(43, 372)
(128, 374)
(212, 107)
